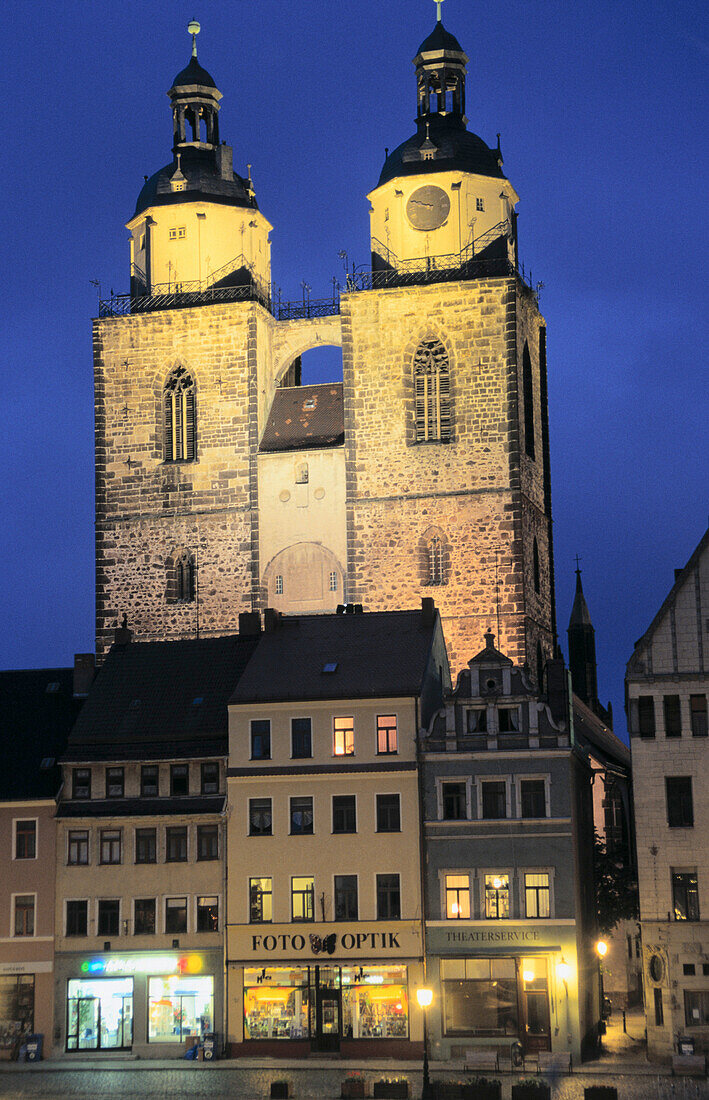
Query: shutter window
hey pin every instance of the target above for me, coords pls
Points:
(432, 393)
(180, 425)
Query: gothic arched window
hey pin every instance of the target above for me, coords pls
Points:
(179, 420)
(528, 395)
(432, 392)
(181, 574)
(434, 557)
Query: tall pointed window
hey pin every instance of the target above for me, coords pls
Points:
(181, 576)
(432, 393)
(179, 424)
(435, 561)
(528, 395)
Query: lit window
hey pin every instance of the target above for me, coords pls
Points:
(260, 900)
(343, 736)
(207, 914)
(685, 896)
(179, 417)
(26, 839)
(386, 734)
(23, 924)
(536, 895)
(497, 897)
(302, 899)
(279, 584)
(179, 1006)
(457, 897)
(480, 205)
(432, 393)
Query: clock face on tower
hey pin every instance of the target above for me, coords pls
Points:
(428, 207)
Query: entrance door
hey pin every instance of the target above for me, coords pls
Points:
(537, 1033)
(328, 1003)
(83, 1031)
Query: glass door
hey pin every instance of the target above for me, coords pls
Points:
(535, 1005)
(100, 1014)
(83, 1023)
(327, 1008)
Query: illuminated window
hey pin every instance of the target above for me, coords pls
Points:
(457, 897)
(302, 899)
(386, 734)
(179, 1007)
(685, 896)
(343, 736)
(432, 393)
(537, 895)
(179, 417)
(260, 900)
(26, 839)
(497, 897)
(207, 914)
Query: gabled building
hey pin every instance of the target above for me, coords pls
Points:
(140, 850)
(324, 910)
(508, 830)
(37, 709)
(667, 687)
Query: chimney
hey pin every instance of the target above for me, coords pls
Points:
(250, 622)
(428, 611)
(122, 635)
(84, 672)
(271, 620)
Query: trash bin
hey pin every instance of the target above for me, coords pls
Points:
(210, 1046)
(33, 1048)
(686, 1044)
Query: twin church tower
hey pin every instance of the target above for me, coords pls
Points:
(223, 485)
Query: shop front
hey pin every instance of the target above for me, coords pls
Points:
(152, 1003)
(348, 991)
(25, 1003)
(504, 984)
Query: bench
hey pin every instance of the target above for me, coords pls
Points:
(481, 1060)
(554, 1062)
(689, 1065)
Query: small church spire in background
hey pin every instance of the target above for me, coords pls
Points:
(194, 28)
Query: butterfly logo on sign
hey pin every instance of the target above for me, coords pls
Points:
(323, 943)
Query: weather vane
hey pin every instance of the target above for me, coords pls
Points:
(438, 9)
(194, 28)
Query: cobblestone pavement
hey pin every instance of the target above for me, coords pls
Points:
(175, 1082)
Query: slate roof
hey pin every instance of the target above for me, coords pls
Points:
(305, 417)
(596, 736)
(440, 39)
(376, 654)
(35, 724)
(193, 74)
(203, 181)
(143, 703)
(580, 615)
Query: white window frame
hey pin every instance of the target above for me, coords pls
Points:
(492, 778)
(468, 780)
(22, 894)
(521, 872)
(25, 859)
(523, 777)
(510, 872)
(442, 875)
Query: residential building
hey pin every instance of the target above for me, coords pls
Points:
(37, 710)
(140, 840)
(667, 690)
(324, 946)
(509, 902)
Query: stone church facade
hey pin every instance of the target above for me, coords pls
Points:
(223, 485)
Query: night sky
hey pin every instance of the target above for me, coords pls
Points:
(602, 108)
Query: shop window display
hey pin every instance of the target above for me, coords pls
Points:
(99, 1014)
(282, 1003)
(178, 1007)
(16, 1008)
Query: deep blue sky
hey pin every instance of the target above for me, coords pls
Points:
(602, 108)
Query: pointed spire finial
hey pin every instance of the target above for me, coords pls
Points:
(193, 28)
(438, 10)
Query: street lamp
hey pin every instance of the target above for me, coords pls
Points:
(424, 997)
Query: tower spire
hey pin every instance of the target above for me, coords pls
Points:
(193, 28)
(582, 647)
(438, 10)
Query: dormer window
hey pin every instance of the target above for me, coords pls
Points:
(477, 720)
(509, 719)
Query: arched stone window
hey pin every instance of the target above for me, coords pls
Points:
(181, 577)
(179, 421)
(535, 566)
(528, 395)
(432, 393)
(434, 557)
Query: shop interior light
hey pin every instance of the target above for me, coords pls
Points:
(424, 997)
(374, 979)
(528, 975)
(497, 883)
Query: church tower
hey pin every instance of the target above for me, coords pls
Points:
(445, 389)
(582, 649)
